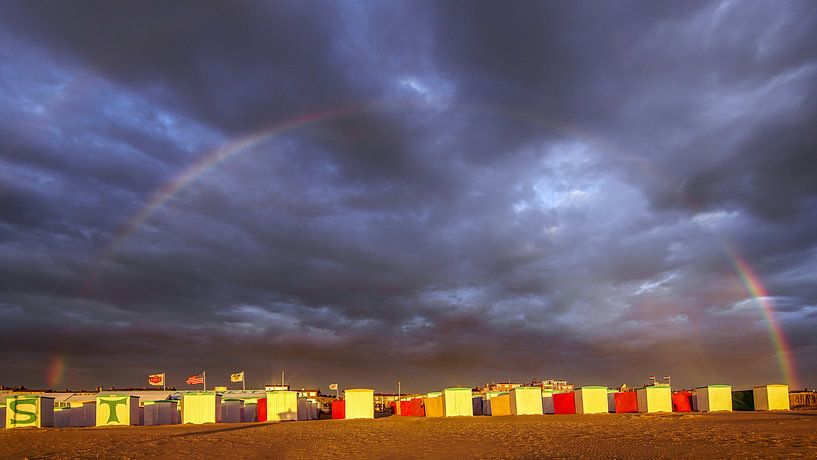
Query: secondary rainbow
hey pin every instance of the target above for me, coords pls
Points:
(759, 294)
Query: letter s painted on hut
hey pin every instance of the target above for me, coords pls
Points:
(30, 417)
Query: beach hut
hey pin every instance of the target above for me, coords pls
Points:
(29, 411)
(564, 403)
(611, 400)
(359, 403)
(457, 402)
(654, 398)
(591, 400)
(201, 407)
(626, 402)
(501, 405)
(113, 409)
(62, 417)
(2, 415)
(526, 401)
(250, 413)
(160, 412)
(417, 409)
(231, 410)
(682, 401)
(771, 397)
(547, 402)
(476, 405)
(434, 406)
(282, 405)
(338, 409)
(262, 410)
(713, 398)
(743, 400)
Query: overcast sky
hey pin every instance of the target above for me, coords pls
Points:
(441, 193)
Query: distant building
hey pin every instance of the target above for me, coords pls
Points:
(555, 385)
(275, 387)
(493, 386)
(311, 394)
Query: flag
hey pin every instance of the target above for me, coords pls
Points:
(156, 379)
(195, 379)
(333, 386)
(238, 377)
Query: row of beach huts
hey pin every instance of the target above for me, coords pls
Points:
(199, 407)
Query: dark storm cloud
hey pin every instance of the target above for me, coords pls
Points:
(513, 191)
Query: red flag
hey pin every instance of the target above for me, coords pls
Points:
(195, 379)
(156, 379)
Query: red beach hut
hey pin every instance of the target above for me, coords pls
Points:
(682, 401)
(339, 409)
(417, 409)
(564, 403)
(626, 402)
(262, 409)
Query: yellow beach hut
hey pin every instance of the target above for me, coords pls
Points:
(201, 407)
(591, 400)
(434, 406)
(359, 403)
(713, 398)
(29, 411)
(654, 398)
(500, 405)
(771, 397)
(282, 405)
(526, 401)
(457, 402)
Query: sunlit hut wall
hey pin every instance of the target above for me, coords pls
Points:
(654, 398)
(201, 407)
(117, 409)
(282, 405)
(591, 400)
(457, 402)
(771, 397)
(713, 398)
(29, 411)
(526, 401)
(564, 402)
(626, 402)
(359, 403)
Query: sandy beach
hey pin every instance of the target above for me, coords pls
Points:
(692, 435)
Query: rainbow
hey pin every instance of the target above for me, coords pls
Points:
(55, 371)
(200, 167)
(755, 288)
(243, 143)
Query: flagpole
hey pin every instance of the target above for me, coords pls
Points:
(164, 381)
(204, 379)
(243, 385)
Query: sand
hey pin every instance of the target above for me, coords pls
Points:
(745, 435)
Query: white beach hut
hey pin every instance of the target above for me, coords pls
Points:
(29, 411)
(282, 405)
(654, 398)
(457, 402)
(117, 409)
(713, 398)
(771, 397)
(359, 403)
(526, 401)
(231, 410)
(591, 400)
